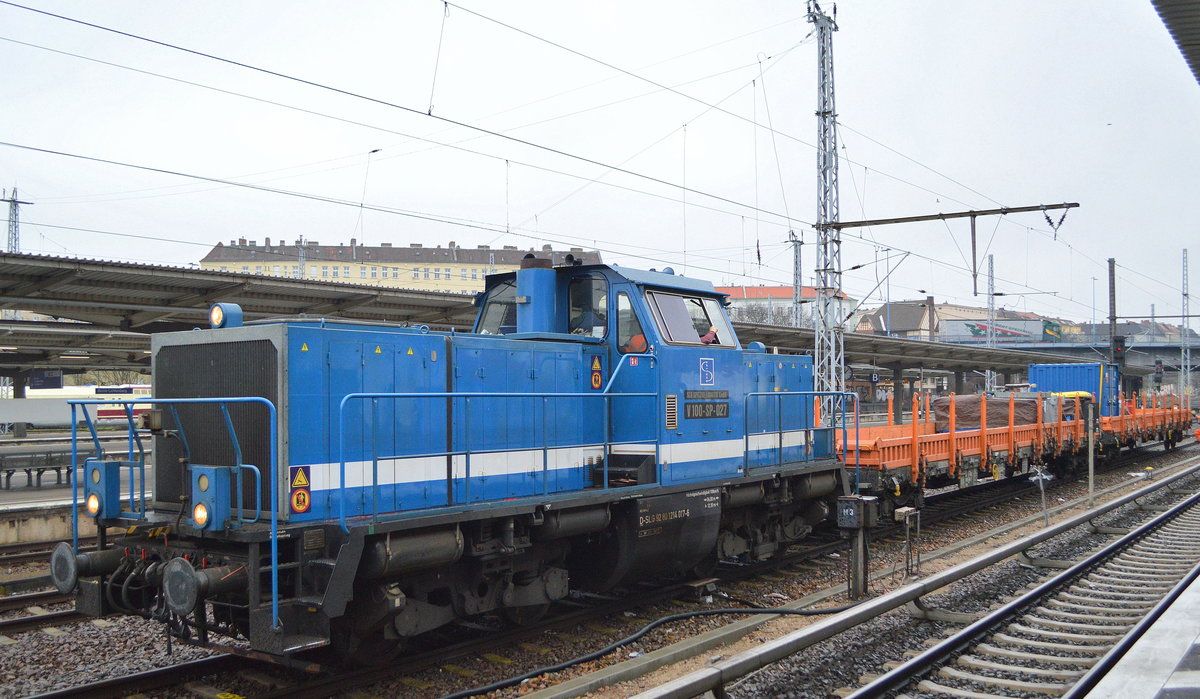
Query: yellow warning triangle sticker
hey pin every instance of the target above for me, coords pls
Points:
(377, 350)
(409, 351)
(300, 481)
(304, 347)
(595, 364)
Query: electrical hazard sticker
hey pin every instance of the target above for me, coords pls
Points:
(595, 363)
(301, 501)
(300, 477)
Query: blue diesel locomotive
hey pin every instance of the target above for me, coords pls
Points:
(328, 484)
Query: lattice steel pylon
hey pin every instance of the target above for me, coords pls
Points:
(828, 367)
(14, 221)
(1185, 350)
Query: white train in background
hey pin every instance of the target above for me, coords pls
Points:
(47, 407)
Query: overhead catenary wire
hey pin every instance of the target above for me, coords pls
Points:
(446, 120)
(424, 139)
(376, 100)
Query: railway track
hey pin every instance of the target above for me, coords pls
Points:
(1052, 640)
(31, 599)
(39, 621)
(466, 640)
(149, 680)
(37, 551)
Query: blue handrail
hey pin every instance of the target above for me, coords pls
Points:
(467, 395)
(273, 441)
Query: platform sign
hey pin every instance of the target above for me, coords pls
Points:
(300, 485)
(45, 378)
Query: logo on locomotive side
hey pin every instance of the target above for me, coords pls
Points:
(708, 371)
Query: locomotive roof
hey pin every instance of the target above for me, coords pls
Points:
(655, 278)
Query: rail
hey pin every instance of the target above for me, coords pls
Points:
(135, 439)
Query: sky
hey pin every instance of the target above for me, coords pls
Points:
(661, 134)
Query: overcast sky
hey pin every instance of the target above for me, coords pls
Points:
(628, 127)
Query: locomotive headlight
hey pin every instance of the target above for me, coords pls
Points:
(202, 483)
(200, 515)
(93, 504)
(225, 315)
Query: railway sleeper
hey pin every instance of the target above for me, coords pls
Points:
(1148, 559)
(1048, 645)
(1158, 583)
(1033, 618)
(1089, 590)
(1129, 566)
(1109, 617)
(1092, 609)
(974, 661)
(1021, 685)
(1160, 574)
(1015, 654)
(1063, 635)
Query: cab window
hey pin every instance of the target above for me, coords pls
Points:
(587, 301)
(499, 314)
(691, 319)
(630, 338)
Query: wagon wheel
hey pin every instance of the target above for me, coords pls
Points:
(369, 649)
(527, 615)
(707, 565)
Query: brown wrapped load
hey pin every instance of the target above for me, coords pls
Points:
(968, 407)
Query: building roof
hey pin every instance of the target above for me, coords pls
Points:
(243, 251)
(782, 293)
(902, 317)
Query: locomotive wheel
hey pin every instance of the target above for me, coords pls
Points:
(707, 565)
(527, 615)
(369, 650)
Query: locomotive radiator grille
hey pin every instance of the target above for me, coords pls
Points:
(672, 412)
(211, 370)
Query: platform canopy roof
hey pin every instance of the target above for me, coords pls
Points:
(882, 351)
(114, 305)
(1182, 18)
(147, 298)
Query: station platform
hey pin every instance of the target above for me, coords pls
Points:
(1165, 662)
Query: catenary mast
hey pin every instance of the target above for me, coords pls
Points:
(828, 353)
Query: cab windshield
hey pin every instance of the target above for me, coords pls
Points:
(499, 315)
(691, 319)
